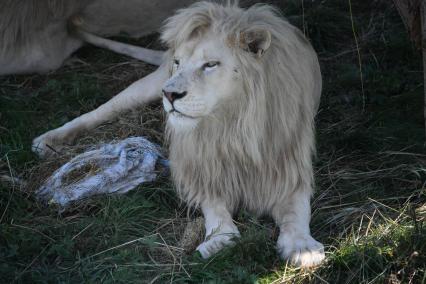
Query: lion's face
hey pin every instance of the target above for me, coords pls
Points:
(204, 75)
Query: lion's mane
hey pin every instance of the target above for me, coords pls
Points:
(255, 149)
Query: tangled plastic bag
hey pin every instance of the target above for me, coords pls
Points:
(109, 168)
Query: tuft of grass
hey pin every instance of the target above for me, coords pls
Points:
(368, 209)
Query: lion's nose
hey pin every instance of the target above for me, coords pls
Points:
(172, 96)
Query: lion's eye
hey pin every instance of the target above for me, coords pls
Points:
(176, 62)
(210, 65)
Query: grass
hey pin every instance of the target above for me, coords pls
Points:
(369, 207)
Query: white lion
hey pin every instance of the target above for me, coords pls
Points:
(241, 89)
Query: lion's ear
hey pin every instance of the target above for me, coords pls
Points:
(255, 41)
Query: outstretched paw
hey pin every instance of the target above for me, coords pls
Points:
(48, 144)
(300, 250)
(41, 146)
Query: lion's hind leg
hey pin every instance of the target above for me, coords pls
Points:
(295, 242)
(220, 229)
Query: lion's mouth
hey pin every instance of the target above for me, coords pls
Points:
(177, 113)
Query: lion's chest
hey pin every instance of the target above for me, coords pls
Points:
(203, 172)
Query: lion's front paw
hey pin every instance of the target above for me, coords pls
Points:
(47, 144)
(215, 243)
(302, 250)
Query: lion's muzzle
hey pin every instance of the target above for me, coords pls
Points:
(172, 96)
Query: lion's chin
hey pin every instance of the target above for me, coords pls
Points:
(180, 122)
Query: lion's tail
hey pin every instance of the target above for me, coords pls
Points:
(150, 56)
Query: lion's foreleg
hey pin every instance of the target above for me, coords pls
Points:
(295, 242)
(139, 93)
(220, 229)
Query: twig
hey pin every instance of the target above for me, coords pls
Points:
(34, 230)
(79, 233)
(31, 263)
(13, 189)
(119, 246)
(359, 56)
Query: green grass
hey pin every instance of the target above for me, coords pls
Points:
(368, 210)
